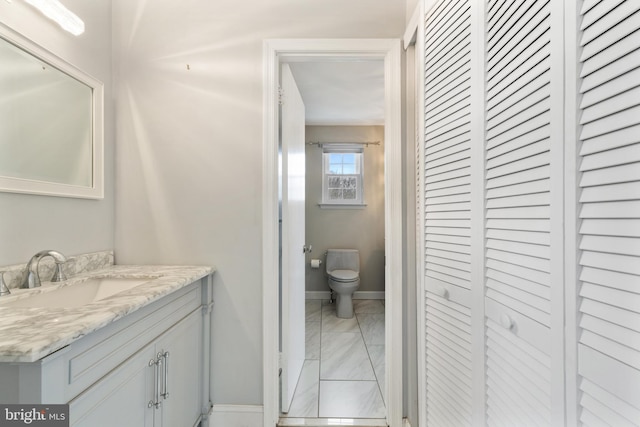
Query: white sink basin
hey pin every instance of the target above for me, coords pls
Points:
(76, 295)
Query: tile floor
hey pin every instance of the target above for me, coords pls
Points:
(343, 374)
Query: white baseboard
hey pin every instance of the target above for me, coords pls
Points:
(317, 295)
(368, 295)
(236, 416)
(356, 295)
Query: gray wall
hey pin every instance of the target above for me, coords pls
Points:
(29, 223)
(189, 158)
(361, 229)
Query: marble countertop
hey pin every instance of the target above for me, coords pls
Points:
(29, 334)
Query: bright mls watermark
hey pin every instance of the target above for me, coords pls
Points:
(34, 415)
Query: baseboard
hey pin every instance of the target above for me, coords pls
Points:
(356, 295)
(317, 295)
(236, 416)
(368, 295)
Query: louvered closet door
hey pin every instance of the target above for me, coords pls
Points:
(518, 213)
(609, 339)
(447, 180)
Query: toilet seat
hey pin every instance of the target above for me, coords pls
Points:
(344, 275)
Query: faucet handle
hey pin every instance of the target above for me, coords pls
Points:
(4, 290)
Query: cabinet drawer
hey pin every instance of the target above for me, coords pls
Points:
(92, 357)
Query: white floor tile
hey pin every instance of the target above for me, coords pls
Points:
(312, 340)
(332, 323)
(350, 399)
(372, 326)
(343, 356)
(368, 306)
(349, 353)
(313, 310)
(305, 399)
(376, 354)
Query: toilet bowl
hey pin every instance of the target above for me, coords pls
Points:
(343, 272)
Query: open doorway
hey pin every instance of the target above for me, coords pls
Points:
(388, 53)
(343, 371)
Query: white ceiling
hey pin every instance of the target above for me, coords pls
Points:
(341, 93)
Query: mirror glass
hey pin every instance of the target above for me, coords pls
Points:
(50, 141)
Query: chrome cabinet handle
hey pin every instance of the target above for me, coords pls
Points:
(165, 381)
(157, 380)
(152, 363)
(155, 364)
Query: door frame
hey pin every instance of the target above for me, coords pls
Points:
(388, 50)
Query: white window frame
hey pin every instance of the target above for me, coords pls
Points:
(329, 149)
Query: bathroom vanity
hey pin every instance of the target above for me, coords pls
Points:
(139, 357)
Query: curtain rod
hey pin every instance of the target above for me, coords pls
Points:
(365, 143)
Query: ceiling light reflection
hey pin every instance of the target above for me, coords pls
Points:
(57, 12)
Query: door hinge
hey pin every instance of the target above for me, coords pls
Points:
(280, 95)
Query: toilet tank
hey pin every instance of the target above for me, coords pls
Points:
(343, 259)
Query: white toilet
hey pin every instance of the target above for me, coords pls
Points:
(343, 270)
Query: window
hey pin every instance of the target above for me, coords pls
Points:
(342, 176)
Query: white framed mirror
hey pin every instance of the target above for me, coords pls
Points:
(51, 123)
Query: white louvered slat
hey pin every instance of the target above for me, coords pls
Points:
(525, 176)
(515, 150)
(628, 412)
(609, 387)
(613, 21)
(613, 227)
(527, 187)
(519, 236)
(617, 69)
(609, 88)
(446, 146)
(613, 279)
(588, 5)
(597, 11)
(609, 349)
(448, 361)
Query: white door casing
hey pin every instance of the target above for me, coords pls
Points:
(275, 52)
(292, 335)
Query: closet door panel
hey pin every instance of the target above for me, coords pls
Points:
(518, 211)
(446, 169)
(609, 164)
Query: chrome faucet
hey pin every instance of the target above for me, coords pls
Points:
(32, 277)
(4, 290)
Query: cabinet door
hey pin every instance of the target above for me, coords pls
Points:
(181, 373)
(121, 398)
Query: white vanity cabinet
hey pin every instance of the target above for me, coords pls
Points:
(158, 386)
(149, 368)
